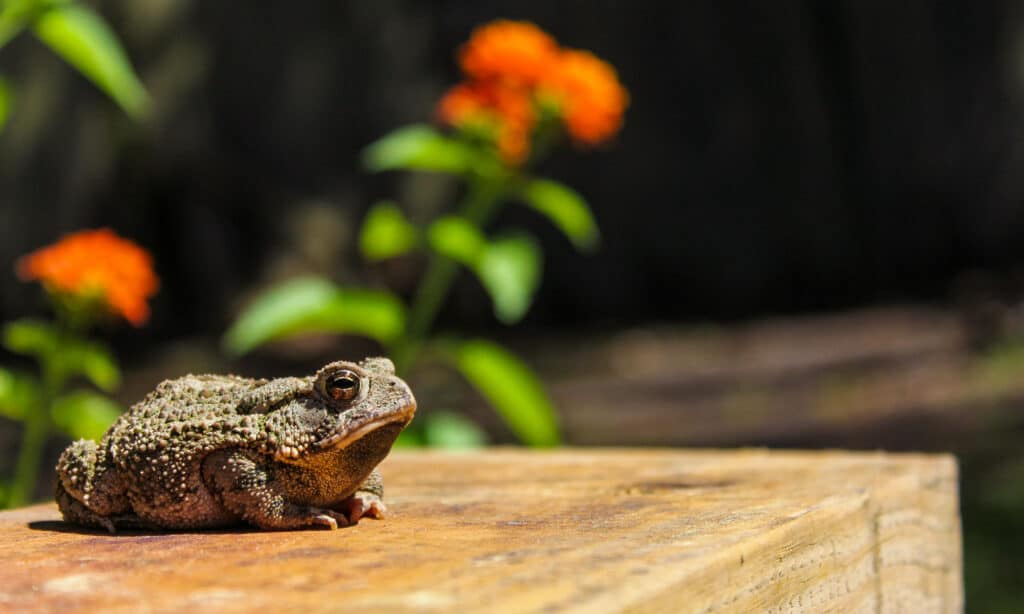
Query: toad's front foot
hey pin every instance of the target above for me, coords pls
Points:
(329, 518)
(362, 504)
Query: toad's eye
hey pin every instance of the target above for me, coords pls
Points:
(342, 386)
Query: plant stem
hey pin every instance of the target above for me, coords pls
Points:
(33, 438)
(431, 292)
(479, 204)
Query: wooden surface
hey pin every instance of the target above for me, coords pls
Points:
(573, 530)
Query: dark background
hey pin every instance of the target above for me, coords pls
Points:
(778, 158)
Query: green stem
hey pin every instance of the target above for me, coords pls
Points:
(479, 205)
(33, 439)
(30, 454)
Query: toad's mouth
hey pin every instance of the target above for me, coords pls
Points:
(343, 439)
(388, 424)
(348, 436)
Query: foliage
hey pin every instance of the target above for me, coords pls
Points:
(510, 387)
(89, 276)
(80, 37)
(6, 102)
(312, 304)
(521, 95)
(443, 429)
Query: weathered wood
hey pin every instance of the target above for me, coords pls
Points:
(571, 530)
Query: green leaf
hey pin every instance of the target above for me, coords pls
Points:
(14, 16)
(30, 337)
(418, 147)
(511, 388)
(458, 239)
(386, 233)
(92, 360)
(411, 437)
(19, 394)
(6, 102)
(67, 355)
(510, 269)
(566, 209)
(84, 414)
(312, 304)
(446, 429)
(84, 40)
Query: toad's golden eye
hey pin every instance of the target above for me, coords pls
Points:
(342, 386)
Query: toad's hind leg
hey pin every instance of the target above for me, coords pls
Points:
(87, 490)
(244, 486)
(76, 512)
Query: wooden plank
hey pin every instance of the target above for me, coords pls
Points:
(577, 530)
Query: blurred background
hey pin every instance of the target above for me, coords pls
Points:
(812, 220)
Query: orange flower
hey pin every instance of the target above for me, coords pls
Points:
(463, 102)
(505, 109)
(516, 51)
(514, 67)
(96, 261)
(590, 94)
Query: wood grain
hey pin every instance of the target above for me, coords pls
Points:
(572, 530)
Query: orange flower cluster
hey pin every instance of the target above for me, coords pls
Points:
(512, 67)
(96, 261)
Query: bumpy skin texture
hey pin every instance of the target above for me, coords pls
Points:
(209, 451)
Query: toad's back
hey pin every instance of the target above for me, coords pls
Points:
(159, 444)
